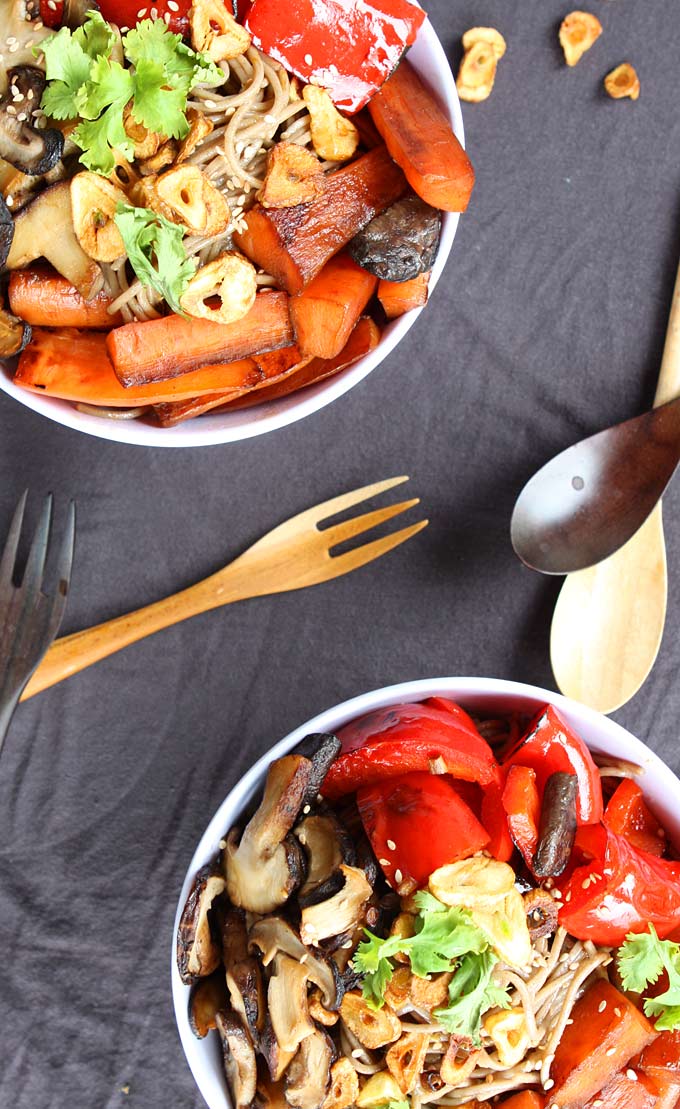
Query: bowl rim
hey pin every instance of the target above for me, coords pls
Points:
(215, 429)
(468, 691)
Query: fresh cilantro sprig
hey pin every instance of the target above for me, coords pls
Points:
(445, 939)
(642, 959)
(156, 252)
(84, 83)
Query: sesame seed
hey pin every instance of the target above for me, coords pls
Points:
(22, 117)
(617, 1012)
(630, 1073)
(549, 1084)
(9, 201)
(174, 7)
(307, 808)
(303, 958)
(167, 16)
(357, 1052)
(210, 103)
(585, 883)
(52, 5)
(398, 876)
(141, 13)
(13, 49)
(308, 59)
(602, 1006)
(568, 896)
(346, 946)
(570, 1021)
(223, 844)
(391, 845)
(597, 1103)
(384, 862)
(11, 40)
(610, 1051)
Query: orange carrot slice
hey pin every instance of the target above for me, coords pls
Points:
(44, 298)
(398, 297)
(324, 314)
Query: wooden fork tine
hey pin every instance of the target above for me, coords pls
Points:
(9, 554)
(346, 500)
(358, 524)
(351, 560)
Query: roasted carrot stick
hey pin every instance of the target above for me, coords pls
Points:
(324, 314)
(44, 298)
(293, 244)
(362, 341)
(274, 366)
(160, 349)
(420, 139)
(74, 365)
(398, 297)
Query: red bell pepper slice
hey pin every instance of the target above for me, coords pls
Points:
(627, 814)
(417, 823)
(347, 48)
(551, 745)
(128, 13)
(522, 806)
(400, 739)
(495, 820)
(618, 890)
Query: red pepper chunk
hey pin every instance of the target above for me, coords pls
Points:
(523, 808)
(551, 745)
(618, 890)
(627, 814)
(347, 48)
(126, 13)
(495, 820)
(400, 739)
(417, 823)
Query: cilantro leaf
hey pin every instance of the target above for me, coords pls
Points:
(156, 252)
(471, 994)
(443, 934)
(642, 959)
(101, 102)
(95, 35)
(151, 40)
(67, 68)
(156, 106)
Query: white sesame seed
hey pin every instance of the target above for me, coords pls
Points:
(9, 201)
(585, 883)
(307, 808)
(357, 1052)
(308, 59)
(223, 844)
(602, 1006)
(597, 1103)
(570, 1021)
(391, 845)
(617, 1012)
(384, 862)
(141, 13)
(13, 49)
(167, 17)
(549, 1084)
(174, 7)
(52, 5)
(11, 40)
(347, 945)
(398, 876)
(210, 104)
(568, 896)
(22, 117)
(610, 1051)
(630, 1073)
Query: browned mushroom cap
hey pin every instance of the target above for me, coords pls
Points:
(273, 1054)
(264, 868)
(273, 935)
(21, 143)
(542, 912)
(208, 997)
(326, 845)
(14, 334)
(197, 953)
(240, 1064)
(270, 1095)
(243, 972)
(322, 749)
(287, 1001)
(339, 913)
(6, 231)
(308, 1077)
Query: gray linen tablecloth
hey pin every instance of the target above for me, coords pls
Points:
(547, 325)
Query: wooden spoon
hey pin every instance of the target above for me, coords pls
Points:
(609, 619)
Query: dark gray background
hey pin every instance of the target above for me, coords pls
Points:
(547, 324)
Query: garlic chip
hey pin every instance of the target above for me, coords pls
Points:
(623, 81)
(578, 31)
(483, 47)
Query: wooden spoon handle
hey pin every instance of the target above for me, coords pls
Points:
(668, 386)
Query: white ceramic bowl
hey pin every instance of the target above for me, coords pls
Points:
(482, 695)
(428, 57)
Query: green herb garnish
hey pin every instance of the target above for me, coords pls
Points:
(642, 959)
(156, 252)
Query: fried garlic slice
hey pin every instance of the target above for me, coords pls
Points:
(334, 137)
(483, 47)
(578, 31)
(489, 35)
(94, 202)
(222, 291)
(294, 176)
(623, 81)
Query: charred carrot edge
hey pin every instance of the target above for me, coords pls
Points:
(44, 298)
(362, 341)
(293, 244)
(420, 138)
(398, 297)
(324, 314)
(156, 350)
(74, 365)
(274, 366)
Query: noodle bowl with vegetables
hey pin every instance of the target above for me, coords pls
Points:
(413, 915)
(207, 220)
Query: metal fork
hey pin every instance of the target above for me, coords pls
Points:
(295, 554)
(29, 618)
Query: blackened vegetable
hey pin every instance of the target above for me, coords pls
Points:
(401, 242)
(21, 144)
(15, 335)
(6, 231)
(542, 913)
(558, 825)
(207, 998)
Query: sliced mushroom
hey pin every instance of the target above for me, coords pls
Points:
(339, 913)
(197, 953)
(372, 1027)
(208, 997)
(6, 231)
(14, 334)
(273, 935)
(558, 825)
(243, 972)
(44, 229)
(240, 1063)
(273, 1054)
(270, 1095)
(344, 1086)
(308, 1077)
(21, 143)
(264, 868)
(542, 913)
(322, 749)
(287, 1001)
(327, 845)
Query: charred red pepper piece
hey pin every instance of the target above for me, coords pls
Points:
(349, 49)
(523, 808)
(52, 13)
(619, 889)
(417, 823)
(495, 820)
(125, 13)
(551, 745)
(627, 814)
(400, 739)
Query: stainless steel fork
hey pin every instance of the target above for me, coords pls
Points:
(30, 617)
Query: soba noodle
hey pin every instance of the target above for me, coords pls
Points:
(255, 107)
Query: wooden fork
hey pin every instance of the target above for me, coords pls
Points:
(295, 554)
